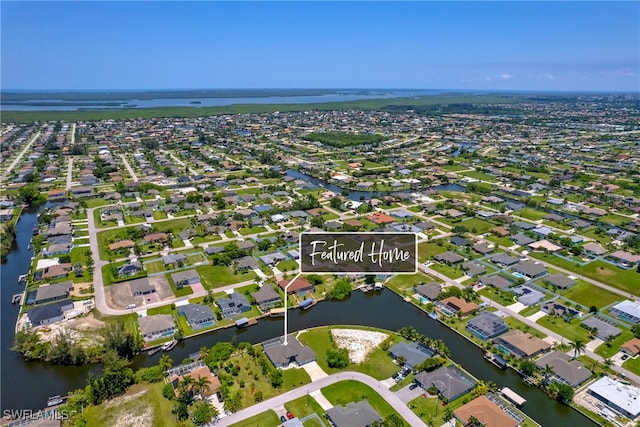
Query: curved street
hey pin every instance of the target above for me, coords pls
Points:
(389, 396)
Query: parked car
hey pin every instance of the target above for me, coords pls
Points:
(395, 376)
(624, 357)
(283, 418)
(290, 415)
(219, 397)
(413, 386)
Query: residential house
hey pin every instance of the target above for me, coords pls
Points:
(157, 326)
(49, 313)
(360, 414)
(198, 372)
(429, 291)
(631, 347)
(619, 396)
(233, 305)
(450, 382)
(487, 325)
(174, 259)
(454, 305)
(628, 311)
(53, 292)
(281, 356)
(496, 281)
(449, 258)
(185, 278)
(486, 412)
(246, 263)
(566, 371)
(414, 354)
(604, 330)
(560, 281)
(266, 297)
(57, 271)
(529, 269)
(129, 269)
(300, 287)
(521, 344)
(198, 316)
(141, 286)
(503, 260)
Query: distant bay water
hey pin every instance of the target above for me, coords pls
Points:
(95, 100)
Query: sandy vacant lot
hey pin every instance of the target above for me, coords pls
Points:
(359, 343)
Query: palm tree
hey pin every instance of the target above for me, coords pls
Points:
(186, 384)
(201, 384)
(165, 362)
(204, 352)
(547, 372)
(578, 346)
(447, 414)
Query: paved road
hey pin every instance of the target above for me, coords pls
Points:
(69, 172)
(132, 174)
(389, 396)
(17, 159)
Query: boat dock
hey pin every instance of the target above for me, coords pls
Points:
(16, 299)
(22, 278)
(497, 360)
(276, 312)
(168, 346)
(512, 396)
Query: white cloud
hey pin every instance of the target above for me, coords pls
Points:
(506, 76)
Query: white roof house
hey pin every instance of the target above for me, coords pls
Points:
(620, 397)
(627, 310)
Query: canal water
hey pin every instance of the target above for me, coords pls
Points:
(26, 385)
(357, 195)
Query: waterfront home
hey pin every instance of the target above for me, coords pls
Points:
(414, 354)
(266, 297)
(360, 414)
(486, 412)
(195, 373)
(57, 249)
(197, 316)
(157, 326)
(53, 292)
(57, 271)
(486, 326)
(233, 305)
(628, 311)
(300, 287)
(429, 291)
(521, 344)
(455, 305)
(283, 355)
(619, 396)
(566, 370)
(49, 313)
(449, 381)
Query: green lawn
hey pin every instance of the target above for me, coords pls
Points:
(529, 310)
(251, 230)
(138, 403)
(531, 214)
(633, 365)
(349, 391)
(95, 203)
(406, 282)
(173, 225)
(215, 276)
(481, 226)
(615, 219)
(448, 270)
(378, 363)
(479, 175)
(517, 324)
(502, 241)
(501, 297)
(598, 270)
(430, 410)
(287, 265)
(588, 295)
(570, 330)
(303, 406)
(265, 419)
(605, 350)
(427, 250)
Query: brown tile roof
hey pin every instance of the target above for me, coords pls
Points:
(633, 345)
(122, 244)
(380, 218)
(460, 304)
(485, 411)
(300, 284)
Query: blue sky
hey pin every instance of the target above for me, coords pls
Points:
(454, 45)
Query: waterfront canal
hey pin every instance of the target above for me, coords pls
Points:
(26, 385)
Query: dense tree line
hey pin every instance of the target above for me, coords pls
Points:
(343, 139)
